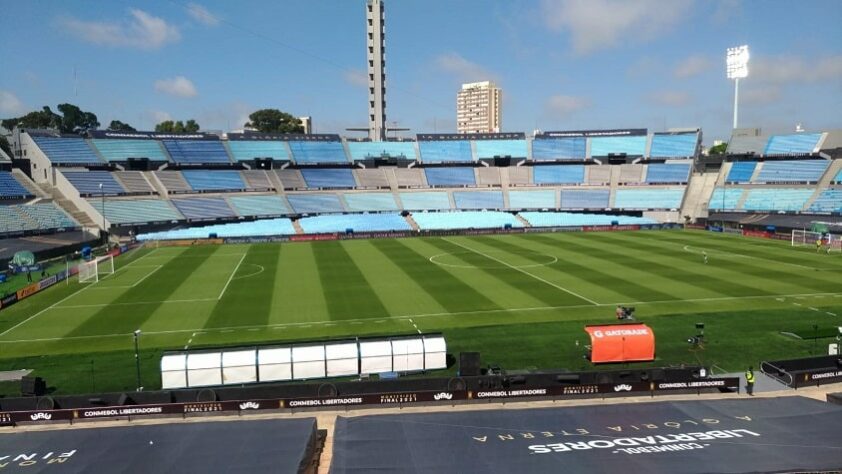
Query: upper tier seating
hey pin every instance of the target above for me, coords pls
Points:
(668, 173)
(197, 152)
(669, 145)
(631, 174)
(585, 199)
(725, 199)
(122, 150)
(563, 219)
(372, 178)
(830, 200)
(777, 199)
(315, 203)
(265, 227)
(492, 148)
(224, 180)
(445, 177)
(520, 175)
(368, 150)
(542, 199)
(791, 171)
(425, 201)
(741, 172)
(204, 208)
(742, 145)
(648, 198)
(329, 178)
(134, 182)
(291, 179)
(318, 152)
(247, 150)
(630, 145)
(356, 222)
(559, 174)
(173, 181)
(446, 151)
(478, 199)
(559, 148)
(410, 177)
(598, 174)
(88, 182)
(10, 188)
(370, 202)
(792, 144)
(136, 211)
(465, 220)
(69, 151)
(32, 217)
(257, 180)
(489, 176)
(248, 206)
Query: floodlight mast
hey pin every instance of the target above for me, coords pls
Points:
(736, 68)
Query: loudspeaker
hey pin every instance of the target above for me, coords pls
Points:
(469, 364)
(32, 386)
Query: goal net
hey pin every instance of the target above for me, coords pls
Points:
(806, 238)
(89, 272)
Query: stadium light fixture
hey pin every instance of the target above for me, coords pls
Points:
(736, 68)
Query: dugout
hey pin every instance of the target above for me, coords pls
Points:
(621, 343)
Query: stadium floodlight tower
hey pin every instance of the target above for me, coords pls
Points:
(736, 67)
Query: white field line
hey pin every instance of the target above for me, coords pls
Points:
(7, 331)
(523, 271)
(134, 303)
(230, 329)
(231, 277)
(252, 274)
(693, 248)
(155, 267)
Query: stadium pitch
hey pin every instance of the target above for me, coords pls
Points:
(521, 300)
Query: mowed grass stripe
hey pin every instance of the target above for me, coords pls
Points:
(449, 291)
(346, 291)
(112, 320)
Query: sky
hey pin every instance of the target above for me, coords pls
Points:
(562, 64)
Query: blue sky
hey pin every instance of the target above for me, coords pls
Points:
(562, 64)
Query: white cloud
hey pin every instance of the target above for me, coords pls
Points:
(10, 105)
(725, 10)
(178, 86)
(201, 14)
(795, 69)
(142, 31)
(355, 77)
(692, 66)
(760, 94)
(600, 24)
(564, 105)
(463, 69)
(670, 98)
(226, 116)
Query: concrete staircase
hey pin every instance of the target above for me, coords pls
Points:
(81, 217)
(298, 229)
(30, 185)
(698, 194)
(523, 221)
(825, 181)
(412, 223)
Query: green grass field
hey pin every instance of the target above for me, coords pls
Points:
(521, 300)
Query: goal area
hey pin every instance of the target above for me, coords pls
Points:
(90, 272)
(806, 238)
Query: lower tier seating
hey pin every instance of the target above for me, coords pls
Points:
(268, 227)
(465, 220)
(354, 222)
(204, 208)
(34, 217)
(777, 199)
(249, 206)
(669, 198)
(560, 219)
(830, 200)
(136, 211)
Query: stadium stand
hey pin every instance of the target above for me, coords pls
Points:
(315, 203)
(465, 220)
(777, 199)
(136, 211)
(291, 179)
(492, 148)
(122, 150)
(585, 199)
(559, 174)
(542, 199)
(88, 182)
(329, 178)
(265, 227)
(425, 201)
(634, 145)
(353, 222)
(173, 181)
(520, 175)
(449, 176)
(67, 151)
(669, 198)
(478, 199)
(10, 188)
(247, 150)
(374, 178)
(314, 152)
(257, 180)
(134, 182)
(368, 150)
(366, 202)
(197, 152)
(829, 200)
(741, 172)
(560, 219)
(791, 171)
(668, 173)
(551, 149)
(410, 177)
(795, 144)
(598, 174)
(488, 176)
(747, 144)
(838, 178)
(204, 208)
(223, 180)
(674, 145)
(631, 174)
(34, 217)
(725, 199)
(458, 151)
(252, 206)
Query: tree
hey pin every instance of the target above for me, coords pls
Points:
(72, 119)
(718, 149)
(118, 126)
(76, 120)
(44, 118)
(191, 126)
(168, 126)
(274, 121)
(4, 145)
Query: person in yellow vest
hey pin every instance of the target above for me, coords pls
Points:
(818, 245)
(750, 381)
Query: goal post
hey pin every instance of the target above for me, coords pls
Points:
(89, 272)
(806, 238)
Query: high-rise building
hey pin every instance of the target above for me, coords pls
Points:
(479, 108)
(307, 123)
(376, 44)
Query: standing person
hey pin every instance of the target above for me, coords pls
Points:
(705, 257)
(750, 381)
(818, 245)
(29, 276)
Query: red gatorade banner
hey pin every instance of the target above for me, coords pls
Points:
(621, 343)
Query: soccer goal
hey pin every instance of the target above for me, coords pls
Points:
(89, 272)
(806, 238)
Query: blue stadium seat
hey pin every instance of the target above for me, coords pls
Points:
(838, 178)
(136, 211)
(798, 143)
(367, 150)
(565, 219)
(266, 227)
(248, 206)
(478, 199)
(668, 173)
(725, 199)
(122, 150)
(830, 200)
(741, 171)
(223, 180)
(630, 145)
(34, 217)
(465, 220)
(585, 198)
(674, 145)
(197, 152)
(549, 149)
(315, 203)
(777, 199)
(541, 199)
(317, 152)
(327, 178)
(792, 171)
(492, 148)
(458, 151)
(425, 201)
(73, 151)
(559, 174)
(204, 208)
(10, 188)
(449, 176)
(648, 198)
(247, 150)
(87, 183)
(370, 202)
(355, 222)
